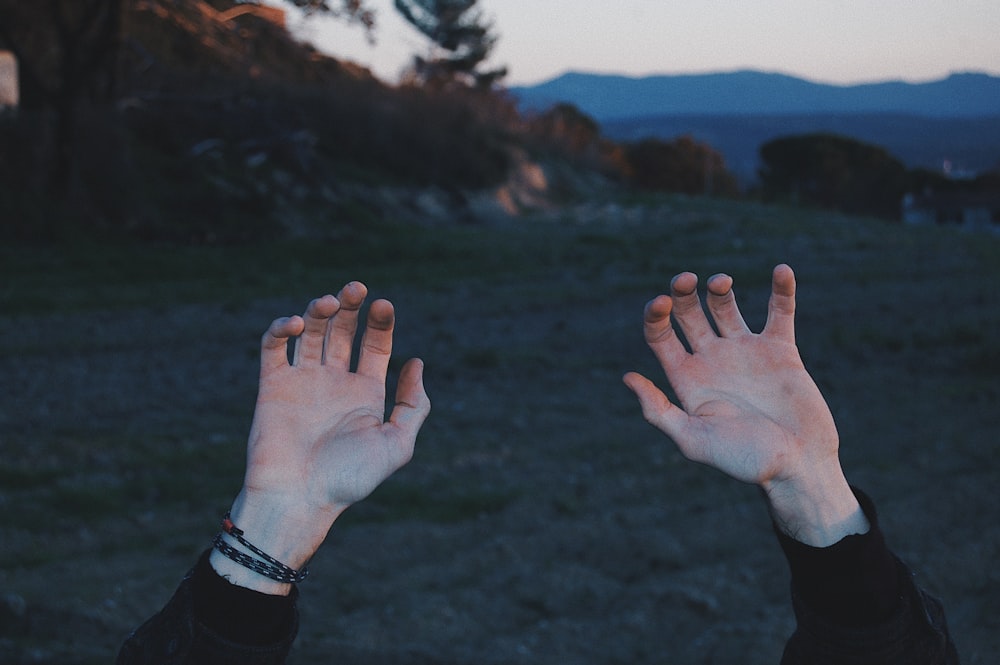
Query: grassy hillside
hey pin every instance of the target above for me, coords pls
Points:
(541, 520)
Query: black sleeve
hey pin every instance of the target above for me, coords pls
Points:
(855, 602)
(209, 620)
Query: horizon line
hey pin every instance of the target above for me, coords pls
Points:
(741, 70)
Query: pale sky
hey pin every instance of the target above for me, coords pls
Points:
(828, 41)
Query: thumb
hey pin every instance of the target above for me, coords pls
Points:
(656, 408)
(412, 403)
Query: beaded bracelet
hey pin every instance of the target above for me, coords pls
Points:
(269, 567)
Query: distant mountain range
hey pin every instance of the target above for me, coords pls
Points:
(610, 97)
(955, 120)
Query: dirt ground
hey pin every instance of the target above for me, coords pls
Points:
(541, 520)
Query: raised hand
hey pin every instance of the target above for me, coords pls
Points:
(748, 407)
(319, 441)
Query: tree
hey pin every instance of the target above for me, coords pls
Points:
(681, 165)
(353, 11)
(67, 52)
(565, 132)
(831, 171)
(567, 127)
(461, 38)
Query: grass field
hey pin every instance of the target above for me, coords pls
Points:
(541, 520)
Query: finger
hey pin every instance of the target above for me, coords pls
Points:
(376, 344)
(659, 333)
(781, 307)
(722, 305)
(657, 409)
(343, 325)
(687, 310)
(412, 406)
(309, 347)
(274, 343)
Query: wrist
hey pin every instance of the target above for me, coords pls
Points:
(240, 576)
(819, 509)
(287, 531)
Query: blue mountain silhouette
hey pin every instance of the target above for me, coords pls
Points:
(612, 97)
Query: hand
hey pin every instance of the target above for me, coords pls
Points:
(319, 442)
(748, 406)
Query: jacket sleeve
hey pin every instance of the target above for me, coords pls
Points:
(209, 620)
(856, 603)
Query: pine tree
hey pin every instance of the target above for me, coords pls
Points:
(461, 38)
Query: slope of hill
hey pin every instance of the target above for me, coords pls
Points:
(607, 97)
(224, 128)
(177, 45)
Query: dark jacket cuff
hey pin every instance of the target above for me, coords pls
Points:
(852, 582)
(239, 614)
(209, 620)
(855, 602)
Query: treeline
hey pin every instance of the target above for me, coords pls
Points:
(840, 173)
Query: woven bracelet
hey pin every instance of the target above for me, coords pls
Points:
(268, 567)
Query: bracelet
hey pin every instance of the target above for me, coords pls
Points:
(269, 567)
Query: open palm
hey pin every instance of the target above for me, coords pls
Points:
(319, 434)
(748, 407)
(319, 440)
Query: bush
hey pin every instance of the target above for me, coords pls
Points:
(681, 165)
(831, 171)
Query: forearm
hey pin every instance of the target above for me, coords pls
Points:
(817, 508)
(210, 620)
(227, 613)
(853, 581)
(856, 602)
